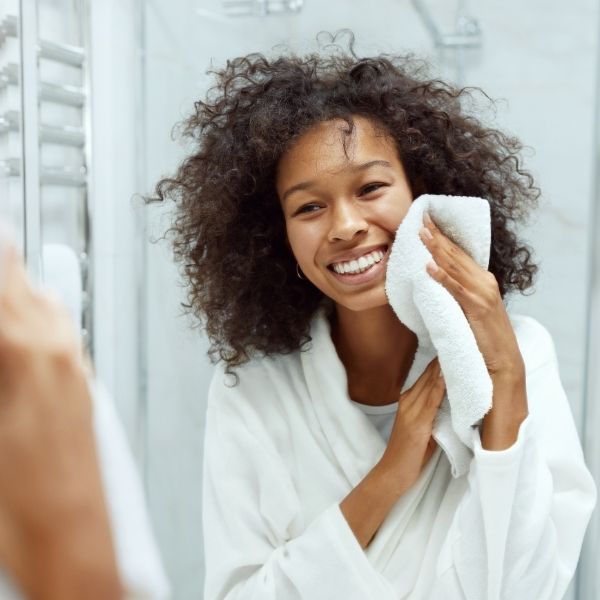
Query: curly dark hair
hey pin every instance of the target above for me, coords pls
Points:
(229, 231)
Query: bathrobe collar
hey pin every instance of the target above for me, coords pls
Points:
(353, 439)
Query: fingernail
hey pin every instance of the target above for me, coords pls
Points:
(426, 218)
(426, 233)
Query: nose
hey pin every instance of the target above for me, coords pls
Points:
(346, 221)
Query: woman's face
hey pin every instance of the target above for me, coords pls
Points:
(339, 208)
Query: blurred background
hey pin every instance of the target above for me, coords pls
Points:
(89, 93)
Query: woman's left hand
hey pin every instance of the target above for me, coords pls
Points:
(476, 291)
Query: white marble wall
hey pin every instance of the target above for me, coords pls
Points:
(540, 57)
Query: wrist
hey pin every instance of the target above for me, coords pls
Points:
(499, 432)
(500, 427)
(390, 476)
(513, 373)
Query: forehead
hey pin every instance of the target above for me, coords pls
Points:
(320, 151)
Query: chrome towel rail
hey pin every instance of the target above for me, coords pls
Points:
(69, 95)
(65, 135)
(26, 165)
(66, 176)
(63, 53)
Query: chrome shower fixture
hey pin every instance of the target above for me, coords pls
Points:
(467, 33)
(261, 8)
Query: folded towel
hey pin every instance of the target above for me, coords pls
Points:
(432, 313)
(62, 274)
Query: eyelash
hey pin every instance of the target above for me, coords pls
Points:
(370, 185)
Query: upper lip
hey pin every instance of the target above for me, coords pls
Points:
(356, 253)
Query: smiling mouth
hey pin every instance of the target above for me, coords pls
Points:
(383, 248)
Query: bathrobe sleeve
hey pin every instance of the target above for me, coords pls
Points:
(518, 531)
(249, 506)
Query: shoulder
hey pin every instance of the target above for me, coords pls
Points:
(534, 339)
(258, 399)
(253, 379)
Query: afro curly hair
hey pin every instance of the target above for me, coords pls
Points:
(228, 230)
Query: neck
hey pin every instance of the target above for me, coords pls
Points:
(376, 349)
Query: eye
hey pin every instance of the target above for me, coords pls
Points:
(302, 209)
(372, 187)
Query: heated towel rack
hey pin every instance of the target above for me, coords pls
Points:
(45, 134)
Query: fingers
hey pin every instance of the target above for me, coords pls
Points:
(427, 393)
(14, 282)
(436, 394)
(32, 319)
(431, 447)
(6, 247)
(420, 390)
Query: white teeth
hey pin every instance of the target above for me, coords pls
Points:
(359, 265)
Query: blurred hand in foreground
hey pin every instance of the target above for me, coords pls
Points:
(54, 529)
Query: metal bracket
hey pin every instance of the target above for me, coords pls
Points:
(261, 8)
(467, 34)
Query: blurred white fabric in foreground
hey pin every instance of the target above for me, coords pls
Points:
(139, 562)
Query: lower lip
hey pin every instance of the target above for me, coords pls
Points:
(371, 273)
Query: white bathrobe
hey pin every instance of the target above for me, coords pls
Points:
(286, 445)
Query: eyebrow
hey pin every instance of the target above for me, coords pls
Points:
(304, 185)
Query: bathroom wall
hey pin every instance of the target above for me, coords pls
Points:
(538, 58)
(116, 128)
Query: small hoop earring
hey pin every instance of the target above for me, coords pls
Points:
(298, 271)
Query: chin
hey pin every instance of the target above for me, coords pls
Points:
(367, 302)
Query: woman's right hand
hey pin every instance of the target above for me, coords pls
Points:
(411, 444)
(55, 536)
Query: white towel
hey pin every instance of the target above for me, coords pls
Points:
(432, 313)
(62, 274)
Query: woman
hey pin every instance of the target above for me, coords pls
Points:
(321, 478)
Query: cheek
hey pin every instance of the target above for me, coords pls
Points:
(390, 214)
(293, 236)
(303, 240)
